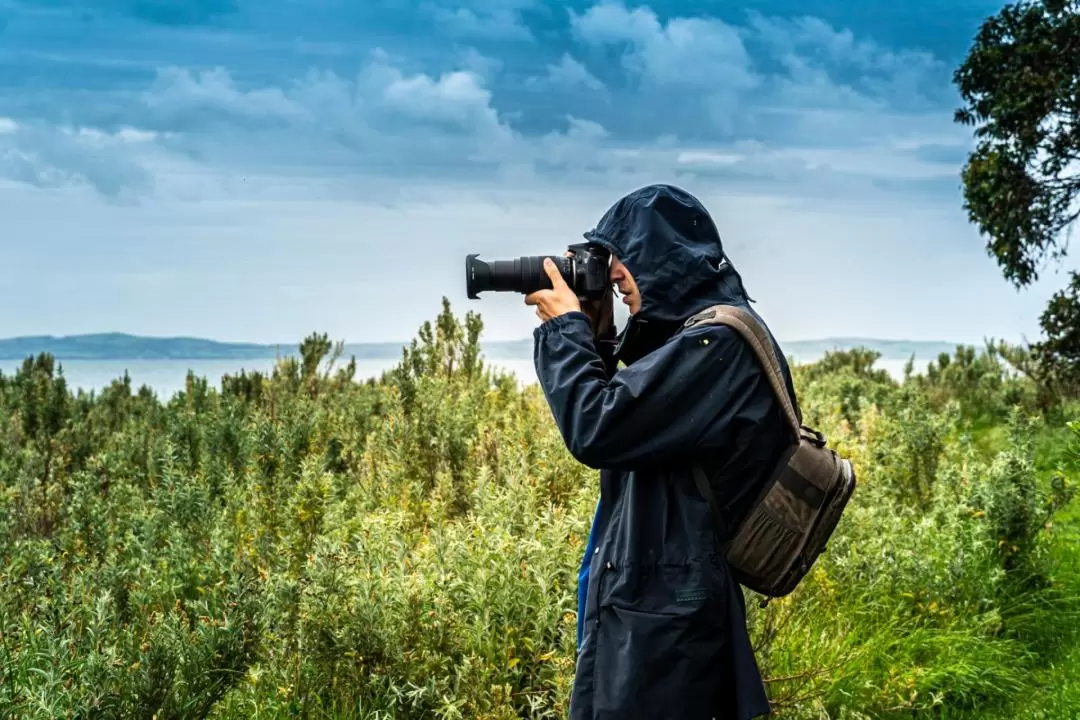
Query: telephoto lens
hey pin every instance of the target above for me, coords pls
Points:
(525, 274)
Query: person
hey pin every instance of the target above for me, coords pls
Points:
(661, 620)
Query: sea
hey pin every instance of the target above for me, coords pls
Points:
(165, 377)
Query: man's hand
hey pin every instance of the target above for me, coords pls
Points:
(557, 301)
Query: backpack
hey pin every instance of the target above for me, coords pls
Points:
(792, 518)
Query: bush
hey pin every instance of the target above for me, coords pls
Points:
(300, 543)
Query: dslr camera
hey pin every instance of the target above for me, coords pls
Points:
(585, 271)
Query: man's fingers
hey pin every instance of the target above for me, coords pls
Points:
(537, 297)
(557, 280)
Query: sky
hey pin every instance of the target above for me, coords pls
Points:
(250, 170)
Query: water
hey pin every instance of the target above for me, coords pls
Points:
(166, 377)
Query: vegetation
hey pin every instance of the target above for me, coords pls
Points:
(1020, 84)
(301, 544)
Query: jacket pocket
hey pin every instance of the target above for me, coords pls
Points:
(659, 665)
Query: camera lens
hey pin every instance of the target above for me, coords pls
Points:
(524, 274)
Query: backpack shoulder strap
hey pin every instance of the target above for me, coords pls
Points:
(750, 329)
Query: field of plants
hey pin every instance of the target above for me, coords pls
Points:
(307, 545)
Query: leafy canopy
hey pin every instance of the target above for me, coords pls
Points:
(1021, 88)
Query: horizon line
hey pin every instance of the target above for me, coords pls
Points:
(526, 338)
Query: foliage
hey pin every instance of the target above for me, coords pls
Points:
(1021, 87)
(843, 382)
(299, 543)
(1059, 354)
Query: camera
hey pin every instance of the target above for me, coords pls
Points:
(586, 272)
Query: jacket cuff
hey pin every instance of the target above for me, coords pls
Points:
(559, 322)
(578, 325)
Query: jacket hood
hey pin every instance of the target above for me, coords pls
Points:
(670, 244)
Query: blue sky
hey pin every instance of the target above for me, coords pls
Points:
(257, 171)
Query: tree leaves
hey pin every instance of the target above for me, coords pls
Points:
(1021, 86)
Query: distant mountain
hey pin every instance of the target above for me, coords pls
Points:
(120, 346)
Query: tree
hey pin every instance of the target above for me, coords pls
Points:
(1021, 87)
(1058, 357)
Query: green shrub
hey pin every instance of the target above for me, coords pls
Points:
(302, 544)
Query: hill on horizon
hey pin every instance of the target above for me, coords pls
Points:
(123, 346)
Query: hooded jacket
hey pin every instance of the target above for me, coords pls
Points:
(661, 621)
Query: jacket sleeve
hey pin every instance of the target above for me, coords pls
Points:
(678, 399)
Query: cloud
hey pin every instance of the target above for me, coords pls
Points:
(482, 66)
(811, 49)
(50, 157)
(387, 122)
(781, 81)
(496, 20)
(685, 53)
(567, 74)
(182, 100)
(500, 24)
(796, 106)
(382, 121)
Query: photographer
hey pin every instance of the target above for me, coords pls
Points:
(661, 622)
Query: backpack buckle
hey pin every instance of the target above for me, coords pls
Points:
(814, 436)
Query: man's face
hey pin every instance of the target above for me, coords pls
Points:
(624, 281)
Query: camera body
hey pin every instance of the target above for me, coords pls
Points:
(585, 271)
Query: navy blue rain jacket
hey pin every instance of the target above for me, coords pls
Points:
(662, 622)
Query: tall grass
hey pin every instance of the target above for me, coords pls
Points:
(300, 544)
